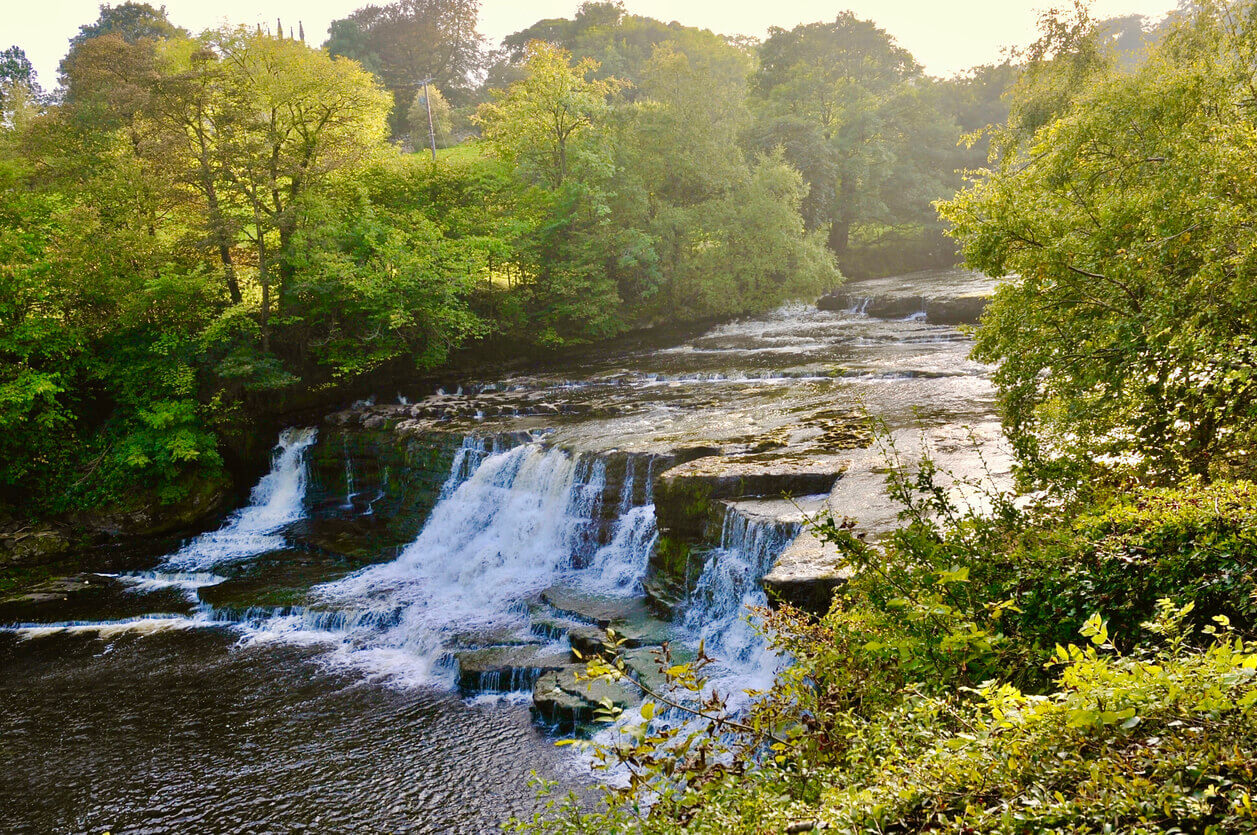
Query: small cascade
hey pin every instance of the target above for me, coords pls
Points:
(618, 566)
(717, 611)
(505, 530)
(859, 305)
(469, 456)
(350, 492)
(276, 501)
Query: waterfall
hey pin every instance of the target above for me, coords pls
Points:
(276, 501)
(618, 566)
(506, 531)
(717, 611)
(469, 456)
(349, 477)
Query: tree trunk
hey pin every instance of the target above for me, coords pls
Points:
(839, 236)
(218, 230)
(265, 279)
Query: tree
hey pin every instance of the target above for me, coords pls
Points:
(129, 22)
(553, 118)
(293, 117)
(408, 40)
(417, 119)
(1126, 218)
(842, 99)
(16, 71)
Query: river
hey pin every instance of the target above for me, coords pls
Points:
(381, 638)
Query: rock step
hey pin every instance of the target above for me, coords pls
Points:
(686, 496)
(506, 669)
(585, 618)
(957, 310)
(565, 703)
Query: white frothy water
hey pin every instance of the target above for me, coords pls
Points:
(719, 608)
(276, 501)
(187, 581)
(148, 625)
(619, 566)
(506, 531)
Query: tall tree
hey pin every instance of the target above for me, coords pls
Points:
(839, 99)
(293, 117)
(409, 40)
(553, 118)
(1123, 209)
(130, 22)
(16, 70)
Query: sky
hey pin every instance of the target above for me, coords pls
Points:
(946, 36)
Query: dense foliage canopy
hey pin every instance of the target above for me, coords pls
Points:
(1123, 202)
(201, 231)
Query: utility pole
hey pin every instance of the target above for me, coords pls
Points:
(431, 130)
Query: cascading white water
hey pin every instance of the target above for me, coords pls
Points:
(729, 586)
(350, 492)
(619, 566)
(276, 501)
(504, 532)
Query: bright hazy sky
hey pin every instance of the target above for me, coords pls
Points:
(946, 36)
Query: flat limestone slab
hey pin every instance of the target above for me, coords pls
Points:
(769, 474)
(808, 572)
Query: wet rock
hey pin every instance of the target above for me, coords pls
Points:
(565, 703)
(585, 619)
(278, 580)
(806, 575)
(600, 610)
(505, 669)
(33, 547)
(936, 310)
(960, 310)
(685, 495)
(836, 301)
(87, 597)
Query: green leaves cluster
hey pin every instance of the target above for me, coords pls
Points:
(1124, 216)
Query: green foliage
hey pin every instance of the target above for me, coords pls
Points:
(442, 126)
(204, 227)
(853, 114)
(901, 711)
(1126, 336)
(409, 40)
